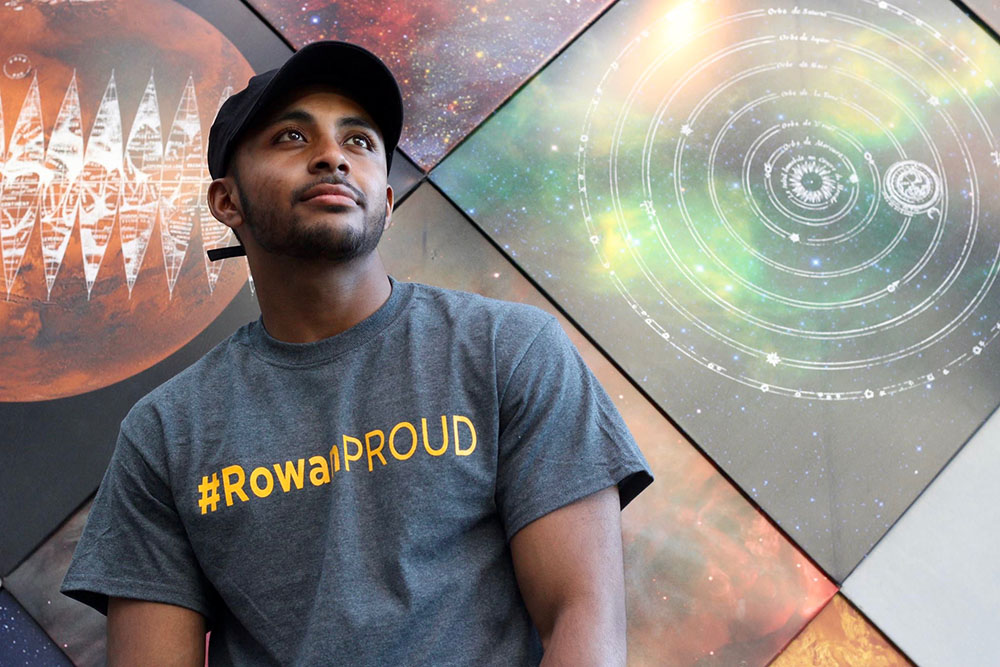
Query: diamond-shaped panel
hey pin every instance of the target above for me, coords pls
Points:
(782, 222)
(102, 232)
(22, 642)
(76, 628)
(455, 60)
(840, 635)
(931, 583)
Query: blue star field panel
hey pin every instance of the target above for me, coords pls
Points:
(782, 221)
(104, 116)
(456, 61)
(931, 583)
(76, 628)
(22, 642)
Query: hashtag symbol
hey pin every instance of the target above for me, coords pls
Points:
(209, 490)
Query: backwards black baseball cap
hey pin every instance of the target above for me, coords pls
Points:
(355, 71)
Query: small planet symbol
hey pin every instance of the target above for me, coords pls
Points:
(17, 66)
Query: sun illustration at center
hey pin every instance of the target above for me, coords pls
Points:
(812, 183)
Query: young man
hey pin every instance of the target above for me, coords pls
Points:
(375, 472)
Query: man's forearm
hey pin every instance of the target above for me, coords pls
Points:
(569, 569)
(586, 633)
(152, 633)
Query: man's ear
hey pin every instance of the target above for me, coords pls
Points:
(389, 199)
(224, 202)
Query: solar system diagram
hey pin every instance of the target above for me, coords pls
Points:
(800, 198)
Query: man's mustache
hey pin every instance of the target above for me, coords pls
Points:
(331, 180)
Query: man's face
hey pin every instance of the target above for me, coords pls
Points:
(311, 179)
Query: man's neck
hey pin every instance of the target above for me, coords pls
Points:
(306, 301)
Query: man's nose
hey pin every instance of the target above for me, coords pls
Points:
(328, 155)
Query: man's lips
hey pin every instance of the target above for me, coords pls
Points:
(330, 194)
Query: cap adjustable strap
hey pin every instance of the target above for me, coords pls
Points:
(215, 254)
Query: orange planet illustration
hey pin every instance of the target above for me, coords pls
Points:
(105, 108)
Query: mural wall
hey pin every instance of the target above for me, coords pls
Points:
(771, 230)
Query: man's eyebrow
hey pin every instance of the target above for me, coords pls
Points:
(294, 114)
(357, 121)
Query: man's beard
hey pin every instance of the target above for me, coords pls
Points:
(338, 243)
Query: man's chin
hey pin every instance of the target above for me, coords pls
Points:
(331, 247)
(331, 233)
(340, 208)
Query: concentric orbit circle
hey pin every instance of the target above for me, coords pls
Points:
(853, 177)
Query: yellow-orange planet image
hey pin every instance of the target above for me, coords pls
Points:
(105, 108)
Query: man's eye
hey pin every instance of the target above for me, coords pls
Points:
(361, 140)
(290, 135)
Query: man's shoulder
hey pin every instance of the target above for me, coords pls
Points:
(191, 388)
(462, 307)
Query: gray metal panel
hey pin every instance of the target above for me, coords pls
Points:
(931, 584)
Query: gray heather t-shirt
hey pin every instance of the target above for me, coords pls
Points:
(350, 501)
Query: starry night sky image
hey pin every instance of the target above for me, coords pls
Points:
(22, 642)
(455, 60)
(782, 223)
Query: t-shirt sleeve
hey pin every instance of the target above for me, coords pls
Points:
(561, 437)
(134, 544)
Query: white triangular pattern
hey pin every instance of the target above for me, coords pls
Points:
(180, 183)
(3, 145)
(101, 183)
(141, 197)
(214, 234)
(22, 180)
(60, 183)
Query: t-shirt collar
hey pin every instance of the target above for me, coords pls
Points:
(307, 354)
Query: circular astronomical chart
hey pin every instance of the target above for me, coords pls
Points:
(802, 200)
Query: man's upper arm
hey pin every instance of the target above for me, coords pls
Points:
(135, 544)
(570, 572)
(153, 633)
